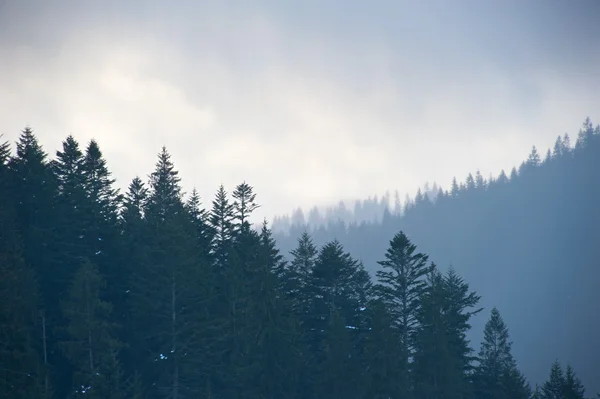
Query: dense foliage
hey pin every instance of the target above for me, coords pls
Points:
(527, 240)
(148, 295)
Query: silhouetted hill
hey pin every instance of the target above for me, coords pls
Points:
(529, 243)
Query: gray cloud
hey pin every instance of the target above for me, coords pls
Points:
(309, 102)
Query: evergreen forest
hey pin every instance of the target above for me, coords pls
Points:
(154, 293)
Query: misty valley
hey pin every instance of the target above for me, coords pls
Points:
(488, 289)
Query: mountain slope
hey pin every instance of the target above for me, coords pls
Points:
(528, 243)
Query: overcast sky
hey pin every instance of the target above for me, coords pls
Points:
(309, 101)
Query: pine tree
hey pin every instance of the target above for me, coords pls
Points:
(554, 387)
(383, 355)
(340, 287)
(497, 375)
(401, 284)
(134, 202)
(455, 188)
(167, 292)
(534, 159)
(431, 341)
(573, 388)
(100, 229)
(91, 345)
(273, 349)
(443, 356)
(244, 204)
(585, 136)
(221, 221)
(297, 275)
(22, 373)
(557, 150)
(338, 376)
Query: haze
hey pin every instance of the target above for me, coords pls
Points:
(401, 92)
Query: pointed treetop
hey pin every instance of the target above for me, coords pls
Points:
(165, 190)
(29, 149)
(244, 204)
(4, 152)
(534, 157)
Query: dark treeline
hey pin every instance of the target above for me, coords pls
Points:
(528, 240)
(149, 295)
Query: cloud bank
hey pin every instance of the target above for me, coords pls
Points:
(308, 102)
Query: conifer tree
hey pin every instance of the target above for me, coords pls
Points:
(167, 290)
(22, 373)
(382, 355)
(91, 345)
(400, 286)
(443, 356)
(554, 387)
(340, 288)
(221, 221)
(297, 275)
(244, 204)
(573, 388)
(497, 376)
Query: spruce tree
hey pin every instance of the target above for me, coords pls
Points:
(22, 372)
(554, 387)
(443, 356)
(297, 275)
(497, 376)
(401, 284)
(573, 388)
(382, 355)
(90, 345)
(340, 287)
(166, 290)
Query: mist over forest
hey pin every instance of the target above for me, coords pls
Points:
(526, 239)
(487, 289)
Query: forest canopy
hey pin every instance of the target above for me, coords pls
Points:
(151, 294)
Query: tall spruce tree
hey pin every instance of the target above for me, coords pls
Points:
(443, 356)
(573, 388)
(382, 356)
(91, 345)
(340, 287)
(400, 286)
(496, 376)
(554, 387)
(166, 292)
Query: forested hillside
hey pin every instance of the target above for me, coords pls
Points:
(148, 294)
(528, 241)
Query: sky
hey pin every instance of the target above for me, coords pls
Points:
(309, 101)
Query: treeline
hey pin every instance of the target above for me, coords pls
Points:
(527, 239)
(149, 295)
(371, 209)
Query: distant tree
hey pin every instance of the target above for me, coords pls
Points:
(557, 150)
(497, 377)
(455, 188)
(480, 182)
(585, 135)
(470, 182)
(534, 158)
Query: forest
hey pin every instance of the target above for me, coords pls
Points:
(150, 294)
